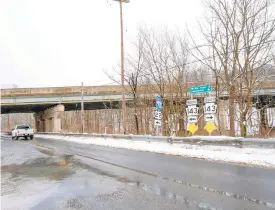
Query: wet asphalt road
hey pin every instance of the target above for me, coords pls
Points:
(79, 176)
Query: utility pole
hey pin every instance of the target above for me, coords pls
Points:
(122, 70)
(82, 109)
(123, 107)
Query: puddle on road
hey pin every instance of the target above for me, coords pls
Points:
(56, 166)
(41, 168)
(204, 188)
(63, 166)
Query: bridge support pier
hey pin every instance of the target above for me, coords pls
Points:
(49, 119)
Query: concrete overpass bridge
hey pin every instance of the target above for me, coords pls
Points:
(47, 103)
(26, 100)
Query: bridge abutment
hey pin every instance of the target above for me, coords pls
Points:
(49, 119)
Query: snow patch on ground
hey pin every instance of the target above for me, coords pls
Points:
(251, 156)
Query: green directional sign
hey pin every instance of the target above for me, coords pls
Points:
(200, 89)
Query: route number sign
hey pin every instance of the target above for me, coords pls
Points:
(210, 108)
(192, 110)
(157, 115)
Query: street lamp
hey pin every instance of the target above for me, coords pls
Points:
(122, 65)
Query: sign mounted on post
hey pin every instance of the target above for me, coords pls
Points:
(192, 119)
(209, 117)
(158, 103)
(191, 102)
(157, 115)
(201, 89)
(209, 99)
(192, 128)
(210, 108)
(192, 110)
(210, 127)
(157, 123)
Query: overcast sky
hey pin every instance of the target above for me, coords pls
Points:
(64, 42)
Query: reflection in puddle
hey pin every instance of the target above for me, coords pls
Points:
(228, 194)
(162, 192)
(155, 189)
(53, 168)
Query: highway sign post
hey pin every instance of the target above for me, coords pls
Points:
(209, 117)
(201, 89)
(209, 99)
(192, 128)
(210, 110)
(210, 127)
(158, 103)
(192, 112)
(158, 114)
(157, 123)
(191, 102)
(192, 119)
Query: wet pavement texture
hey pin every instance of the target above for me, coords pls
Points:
(81, 176)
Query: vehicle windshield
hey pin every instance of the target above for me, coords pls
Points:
(23, 127)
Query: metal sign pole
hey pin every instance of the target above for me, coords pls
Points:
(157, 131)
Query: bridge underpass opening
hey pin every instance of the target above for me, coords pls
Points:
(47, 116)
(35, 108)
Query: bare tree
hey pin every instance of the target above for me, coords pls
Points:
(133, 75)
(134, 68)
(239, 37)
(165, 56)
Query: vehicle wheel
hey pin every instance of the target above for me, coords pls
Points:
(31, 137)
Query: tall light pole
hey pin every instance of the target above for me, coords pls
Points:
(122, 65)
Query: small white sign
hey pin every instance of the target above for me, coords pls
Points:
(210, 108)
(192, 110)
(210, 99)
(191, 102)
(157, 122)
(157, 115)
(192, 119)
(209, 117)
